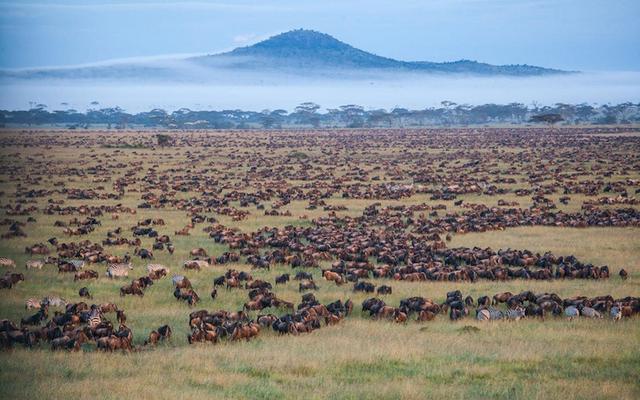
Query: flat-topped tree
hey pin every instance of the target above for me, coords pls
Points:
(547, 118)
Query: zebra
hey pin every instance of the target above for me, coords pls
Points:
(118, 270)
(616, 313)
(95, 319)
(55, 301)
(7, 262)
(156, 267)
(32, 302)
(590, 312)
(515, 314)
(79, 264)
(483, 315)
(496, 314)
(489, 314)
(571, 312)
(30, 264)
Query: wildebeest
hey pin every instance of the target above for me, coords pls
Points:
(623, 274)
(333, 276)
(86, 274)
(282, 279)
(84, 292)
(162, 333)
(38, 317)
(384, 289)
(363, 286)
(307, 285)
(131, 289)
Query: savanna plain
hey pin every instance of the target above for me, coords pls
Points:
(425, 211)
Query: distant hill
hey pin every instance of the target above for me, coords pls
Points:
(308, 49)
(302, 52)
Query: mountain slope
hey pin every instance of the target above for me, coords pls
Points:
(307, 49)
(299, 52)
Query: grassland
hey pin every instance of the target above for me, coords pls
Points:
(359, 358)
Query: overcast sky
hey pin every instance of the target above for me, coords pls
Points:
(569, 34)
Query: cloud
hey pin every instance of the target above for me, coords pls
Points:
(244, 38)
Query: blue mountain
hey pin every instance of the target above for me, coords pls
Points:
(299, 52)
(310, 50)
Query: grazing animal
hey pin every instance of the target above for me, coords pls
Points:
(515, 314)
(121, 317)
(87, 274)
(34, 264)
(132, 289)
(84, 292)
(616, 313)
(384, 289)
(55, 301)
(307, 285)
(426, 315)
(36, 318)
(571, 312)
(195, 264)
(589, 312)
(7, 262)
(333, 276)
(157, 267)
(32, 302)
(501, 297)
(13, 277)
(119, 270)
(623, 274)
(199, 252)
(157, 274)
(363, 286)
(95, 318)
(181, 282)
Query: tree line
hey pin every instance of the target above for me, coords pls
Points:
(309, 114)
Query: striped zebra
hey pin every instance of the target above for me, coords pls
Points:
(34, 264)
(7, 262)
(156, 267)
(571, 312)
(79, 264)
(483, 315)
(118, 270)
(32, 302)
(95, 318)
(515, 314)
(55, 301)
(488, 314)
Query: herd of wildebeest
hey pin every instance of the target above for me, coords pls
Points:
(418, 187)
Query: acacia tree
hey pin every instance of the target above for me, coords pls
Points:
(352, 115)
(550, 118)
(307, 113)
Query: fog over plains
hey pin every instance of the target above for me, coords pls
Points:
(226, 89)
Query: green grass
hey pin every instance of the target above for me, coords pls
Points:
(359, 358)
